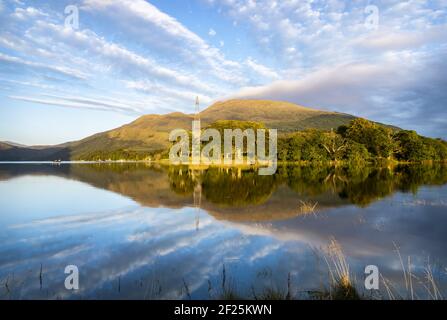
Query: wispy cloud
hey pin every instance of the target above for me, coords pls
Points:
(120, 57)
(169, 35)
(79, 103)
(66, 71)
(262, 70)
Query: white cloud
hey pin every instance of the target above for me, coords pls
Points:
(332, 32)
(120, 57)
(28, 13)
(261, 69)
(53, 68)
(147, 87)
(169, 35)
(87, 55)
(79, 103)
(28, 84)
(386, 40)
(212, 32)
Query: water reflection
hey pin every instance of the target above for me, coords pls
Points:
(142, 231)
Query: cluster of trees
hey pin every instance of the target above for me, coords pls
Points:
(412, 147)
(361, 140)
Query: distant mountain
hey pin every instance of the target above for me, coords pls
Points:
(14, 144)
(14, 152)
(284, 116)
(149, 134)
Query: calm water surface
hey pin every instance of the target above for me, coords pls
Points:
(137, 231)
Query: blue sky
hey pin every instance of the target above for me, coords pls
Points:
(383, 60)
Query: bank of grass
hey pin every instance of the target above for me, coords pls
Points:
(341, 283)
(341, 286)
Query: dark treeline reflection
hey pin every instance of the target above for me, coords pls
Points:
(360, 185)
(176, 186)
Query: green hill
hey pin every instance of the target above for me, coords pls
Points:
(149, 134)
(284, 116)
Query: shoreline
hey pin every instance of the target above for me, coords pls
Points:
(244, 165)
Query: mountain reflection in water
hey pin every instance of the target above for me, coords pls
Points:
(162, 226)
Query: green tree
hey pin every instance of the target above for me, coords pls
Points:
(334, 144)
(296, 144)
(356, 152)
(376, 138)
(410, 146)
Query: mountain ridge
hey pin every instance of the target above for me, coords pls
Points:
(149, 134)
